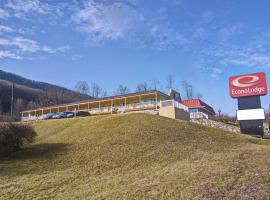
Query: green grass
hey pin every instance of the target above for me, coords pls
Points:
(136, 156)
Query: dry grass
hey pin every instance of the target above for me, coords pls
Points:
(136, 156)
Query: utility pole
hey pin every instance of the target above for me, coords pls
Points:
(219, 112)
(12, 100)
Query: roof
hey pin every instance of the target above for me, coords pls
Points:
(102, 99)
(197, 103)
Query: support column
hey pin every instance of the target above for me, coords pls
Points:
(99, 107)
(125, 103)
(156, 101)
(112, 107)
(140, 99)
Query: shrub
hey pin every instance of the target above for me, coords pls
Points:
(14, 136)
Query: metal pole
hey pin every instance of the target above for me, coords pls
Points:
(12, 100)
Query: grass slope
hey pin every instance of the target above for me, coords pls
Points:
(136, 156)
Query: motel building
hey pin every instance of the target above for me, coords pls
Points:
(199, 109)
(153, 102)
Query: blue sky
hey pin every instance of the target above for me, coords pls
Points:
(114, 42)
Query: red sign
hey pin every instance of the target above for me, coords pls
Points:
(248, 85)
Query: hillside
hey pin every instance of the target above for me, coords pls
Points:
(33, 93)
(136, 156)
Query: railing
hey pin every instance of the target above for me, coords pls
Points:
(198, 115)
(173, 103)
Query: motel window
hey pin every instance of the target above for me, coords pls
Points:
(193, 110)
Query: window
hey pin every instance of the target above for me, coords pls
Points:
(193, 110)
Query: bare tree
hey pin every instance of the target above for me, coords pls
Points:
(32, 105)
(142, 87)
(19, 105)
(268, 114)
(121, 90)
(155, 83)
(96, 90)
(170, 82)
(104, 94)
(199, 95)
(188, 89)
(82, 87)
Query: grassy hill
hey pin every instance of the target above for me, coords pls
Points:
(136, 156)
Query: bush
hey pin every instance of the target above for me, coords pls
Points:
(14, 136)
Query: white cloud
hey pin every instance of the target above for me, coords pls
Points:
(19, 46)
(107, 21)
(161, 38)
(21, 43)
(229, 31)
(27, 6)
(3, 14)
(21, 8)
(215, 72)
(6, 29)
(8, 54)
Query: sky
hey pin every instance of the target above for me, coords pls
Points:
(112, 42)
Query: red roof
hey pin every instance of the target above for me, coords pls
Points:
(197, 103)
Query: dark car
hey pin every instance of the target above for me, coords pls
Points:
(82, 113)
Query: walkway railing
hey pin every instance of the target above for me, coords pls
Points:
(173, 103)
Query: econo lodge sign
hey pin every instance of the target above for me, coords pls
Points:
(248, 85)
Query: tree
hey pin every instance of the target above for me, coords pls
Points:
(155, 84)
(104, 94)
(142, 87)
(188, 89)
(19, 105)
(170, 82)
(96, 90)
(121, 90)
(82, 87)
(32, 105)
(199, 95)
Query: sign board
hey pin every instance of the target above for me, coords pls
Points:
(248, 85)
(250, 114)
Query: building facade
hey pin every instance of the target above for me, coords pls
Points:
(134, 102)
(198, 109)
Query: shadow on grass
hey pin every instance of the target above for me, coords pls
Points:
(35, 159)
(40, 151)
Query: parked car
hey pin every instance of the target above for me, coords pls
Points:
(48, 116)
(82, 113)
(59, 115)
(69, 114)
